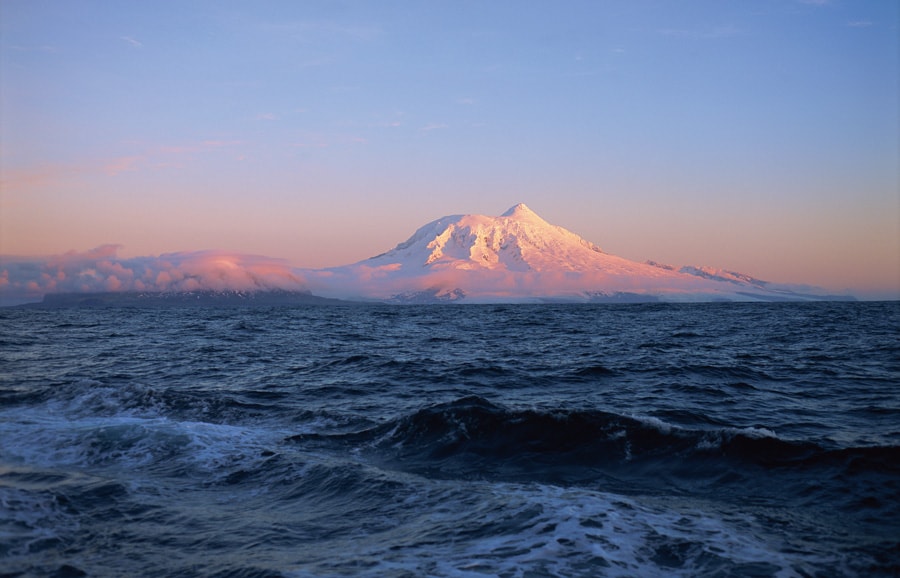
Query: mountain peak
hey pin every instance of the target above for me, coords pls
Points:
(520, 212)
(520, 257)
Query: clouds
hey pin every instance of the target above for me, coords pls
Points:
(504, 284)
(100, 269)
(121, 164)
(149, 157)
(131, 41)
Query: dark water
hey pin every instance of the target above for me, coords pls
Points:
(629, 440)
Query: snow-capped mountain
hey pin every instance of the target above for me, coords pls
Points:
(517, 257)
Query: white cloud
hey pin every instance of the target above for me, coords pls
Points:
(100, 269)
(134, 43)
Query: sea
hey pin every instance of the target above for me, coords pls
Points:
(715, 439)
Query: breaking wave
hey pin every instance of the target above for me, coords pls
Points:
(472, 438)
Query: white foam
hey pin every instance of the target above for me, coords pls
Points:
(656, 423)
(713, 440)
(39, 438)
(478, 529)
(92, 398)
(755, 432)
(28, 517)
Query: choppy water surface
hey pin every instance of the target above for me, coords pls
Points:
(570, 440)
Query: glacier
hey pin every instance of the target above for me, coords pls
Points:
(518, 257)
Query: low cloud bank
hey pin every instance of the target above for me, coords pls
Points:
(24, 280)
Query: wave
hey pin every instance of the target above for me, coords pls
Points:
(392, 492)
(123, 397)
(473, 438)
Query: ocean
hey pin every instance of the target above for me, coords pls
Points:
(741, 439)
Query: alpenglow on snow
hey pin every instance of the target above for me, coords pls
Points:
(520, 257)
(513, 258)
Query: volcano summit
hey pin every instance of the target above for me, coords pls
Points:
(517, 257)
(520, 257)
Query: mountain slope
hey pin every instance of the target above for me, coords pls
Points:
(518, 256)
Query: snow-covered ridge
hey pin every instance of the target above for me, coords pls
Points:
(518, 256)
(722, 275)
(517, 240)
(514, 257)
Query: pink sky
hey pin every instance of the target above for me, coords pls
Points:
(763, 141)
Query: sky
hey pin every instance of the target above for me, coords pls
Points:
(761, 137)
